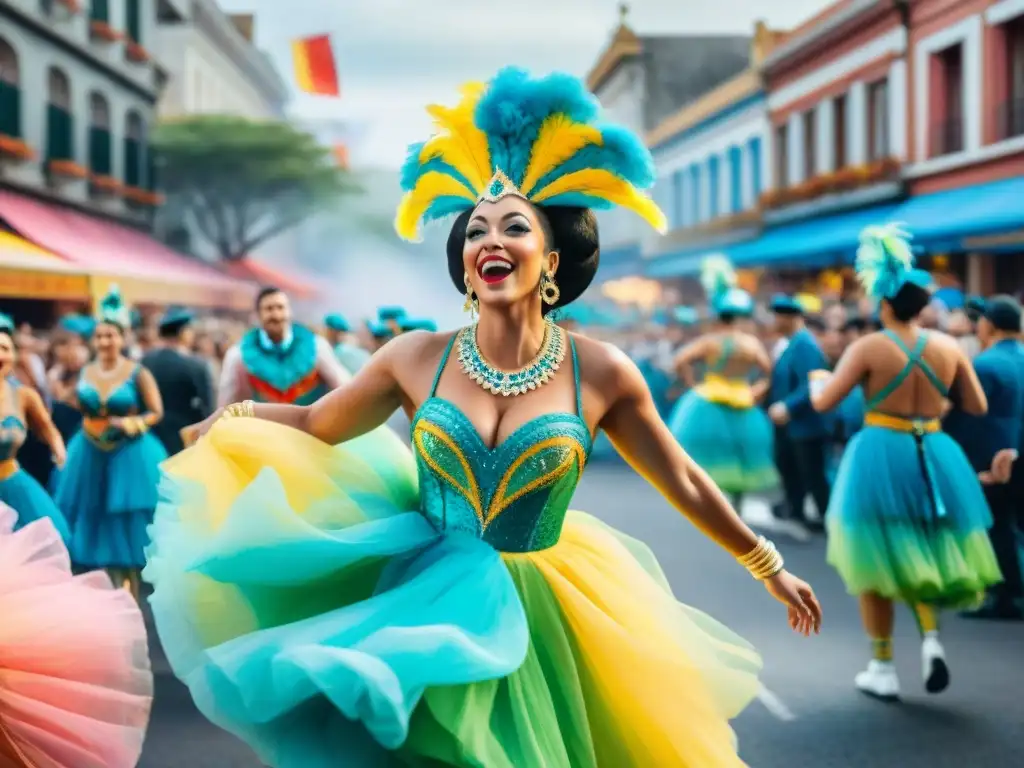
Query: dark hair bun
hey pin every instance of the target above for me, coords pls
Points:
(909, 301)
(572, 231)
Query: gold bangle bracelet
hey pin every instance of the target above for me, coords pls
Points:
(763, 561)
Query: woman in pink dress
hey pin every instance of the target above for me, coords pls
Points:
(75, 681)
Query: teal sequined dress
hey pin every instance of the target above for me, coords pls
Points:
(363, 606)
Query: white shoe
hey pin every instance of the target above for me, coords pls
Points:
(933, 665)
(879, 681)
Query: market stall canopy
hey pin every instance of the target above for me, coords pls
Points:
(146, 270)
(257, 272)
(30, 272)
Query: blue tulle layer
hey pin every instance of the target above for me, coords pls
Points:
(108, 498)
(733, 445)
(22, 493)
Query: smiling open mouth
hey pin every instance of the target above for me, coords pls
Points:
(494, 269)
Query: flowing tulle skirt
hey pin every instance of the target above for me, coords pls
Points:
(889, 535)
(732, 444)
(108, 498)
(75, 682)
(314, 613)
(23, 493)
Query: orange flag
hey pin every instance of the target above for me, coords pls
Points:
(314, 66)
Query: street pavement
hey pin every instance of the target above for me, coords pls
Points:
(810, 715)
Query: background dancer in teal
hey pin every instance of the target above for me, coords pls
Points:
(339, 335)
(908, 520)
(21, 406)
(108, 488)
(719, 422)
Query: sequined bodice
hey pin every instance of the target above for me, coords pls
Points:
(12, 426)
(123, 400)
(513, 496)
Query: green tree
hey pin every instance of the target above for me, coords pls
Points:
(244, 182)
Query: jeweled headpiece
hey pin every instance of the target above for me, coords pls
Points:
(538, 139)
(113, 310)
(719, 280)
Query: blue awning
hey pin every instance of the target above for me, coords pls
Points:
(816, 242)
(943, 219)
(809, 243)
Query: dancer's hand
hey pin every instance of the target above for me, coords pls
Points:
(1001, 469)
(779, 414)
(60, 455)
(191, 433)
(797, 595)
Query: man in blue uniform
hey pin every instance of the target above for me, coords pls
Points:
(801, 434)
(1000, 369)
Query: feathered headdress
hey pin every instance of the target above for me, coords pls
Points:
(535, 138)
(6, 323)
(884, 259)
(113, 310)
(718, 279)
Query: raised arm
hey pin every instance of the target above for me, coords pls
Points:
(967, 389)
(687, 356)
(639, 434)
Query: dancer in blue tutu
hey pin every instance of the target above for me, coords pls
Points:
(19, 407)
(107, 490)
(719, 422)
(907, 518)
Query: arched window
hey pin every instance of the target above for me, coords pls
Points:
(134, 150)
(59, 121)
(99, 135)
(10, 94)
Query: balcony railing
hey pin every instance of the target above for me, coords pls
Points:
(1010, 119)
(948, 136)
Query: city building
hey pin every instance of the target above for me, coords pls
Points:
(216, 68)
(712, 168)
(78, 93)
(640, 81)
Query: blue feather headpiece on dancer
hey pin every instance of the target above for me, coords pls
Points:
(719, 281)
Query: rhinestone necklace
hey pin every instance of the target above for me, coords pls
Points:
(498, 382)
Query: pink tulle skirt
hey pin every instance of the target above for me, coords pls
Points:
(75, 682)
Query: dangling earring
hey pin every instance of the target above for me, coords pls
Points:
(471, 305)
(549, 292)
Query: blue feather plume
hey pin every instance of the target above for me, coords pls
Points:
(112, 309)
(884, 259)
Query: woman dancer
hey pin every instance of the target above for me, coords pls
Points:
(21, 406)
(108, 489)
(907, 519)
(321, 611)
(77, 686)
(719, 422)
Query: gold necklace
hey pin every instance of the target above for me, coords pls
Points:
(536, 373)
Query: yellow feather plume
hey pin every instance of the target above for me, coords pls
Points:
(602, 184)
(459, 142)
(415, 203)
(559, 139)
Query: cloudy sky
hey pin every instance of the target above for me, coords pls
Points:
(395, 56)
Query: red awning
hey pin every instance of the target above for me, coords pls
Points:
(264, 275)
(119, 252)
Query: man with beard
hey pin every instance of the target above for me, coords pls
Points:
(279, 361)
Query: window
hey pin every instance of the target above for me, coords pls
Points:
(878, 120)
(782, 156)
(10, 93)
(99, 10)
(59, 122)
(714, 186)
(839, 132)
(694, 194)
(99, 135)
(810, 144)
(1012, 118)
(952, 125)
(735, 180)
(134, 150)
(678, 210)
(133, 21)
(755, 169)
